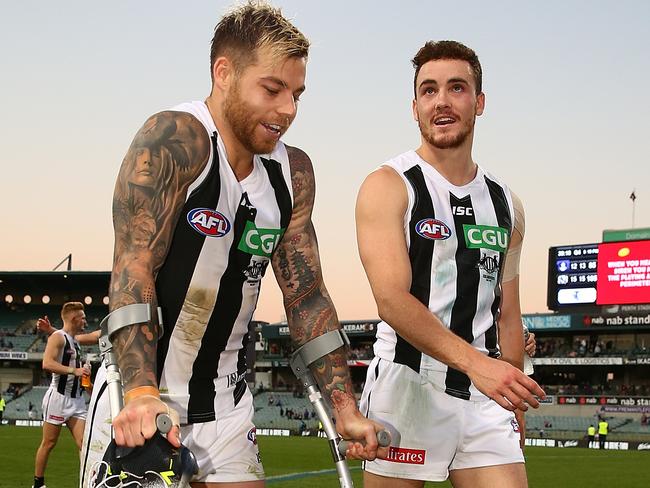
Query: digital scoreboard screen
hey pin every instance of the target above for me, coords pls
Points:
(572, 276)
(623, 273)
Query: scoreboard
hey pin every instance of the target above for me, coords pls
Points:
(572, 276)
(588, 275)
(623, 273)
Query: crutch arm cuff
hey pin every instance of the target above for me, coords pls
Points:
(316, 348)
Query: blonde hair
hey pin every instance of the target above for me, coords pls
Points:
(256, 25)
(70, 307)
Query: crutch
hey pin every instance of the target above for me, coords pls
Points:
(118, 319)
(300, 361)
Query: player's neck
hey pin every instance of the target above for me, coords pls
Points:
(68, 328)
(454, 164)
(239, 158)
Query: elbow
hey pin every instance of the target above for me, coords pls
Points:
(386, 306)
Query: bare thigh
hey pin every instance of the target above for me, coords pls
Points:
(51, 433)
(371, 480)
(502, 476)
(76, 426)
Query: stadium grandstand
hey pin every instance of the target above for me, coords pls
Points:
(593, 362)
(26, 296)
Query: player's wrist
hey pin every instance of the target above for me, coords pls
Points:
(141, 391)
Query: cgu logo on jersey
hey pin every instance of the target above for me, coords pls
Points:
(208, 222)
(259, 242)
(486, 237)
(433, 229)
(406, 456)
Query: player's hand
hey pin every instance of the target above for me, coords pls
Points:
(362, 434)
(505, 384)
(79, 372)
(531, 345)
(136, 422)
(44, 325)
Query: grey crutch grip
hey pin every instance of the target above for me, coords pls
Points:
(383, 439)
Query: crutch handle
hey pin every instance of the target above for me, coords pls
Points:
(164, 423)
(383, 438)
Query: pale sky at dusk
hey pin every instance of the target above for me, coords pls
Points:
(565, 124)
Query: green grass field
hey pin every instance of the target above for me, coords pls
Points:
(547, 467)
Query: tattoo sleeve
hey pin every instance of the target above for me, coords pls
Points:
(167, 153)
(308, 306)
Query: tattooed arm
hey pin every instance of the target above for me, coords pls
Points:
(166, 155)
(309, 309)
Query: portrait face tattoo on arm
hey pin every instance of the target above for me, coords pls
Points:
(168, 152)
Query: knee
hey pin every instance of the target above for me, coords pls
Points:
(48, 444)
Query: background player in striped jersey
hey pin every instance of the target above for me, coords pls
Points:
(206, 197)
(63, 402)
(445, 278)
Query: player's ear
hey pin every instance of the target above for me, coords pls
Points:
(414, 107)
(222, 72)
(480, 103)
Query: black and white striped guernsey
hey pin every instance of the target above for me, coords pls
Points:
(457, 240)
(70, 356)
(209, 283)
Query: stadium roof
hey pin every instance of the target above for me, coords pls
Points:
(58, 285)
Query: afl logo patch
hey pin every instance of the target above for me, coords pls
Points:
(252, 436)
(433, 229)
(208, 222)
(515, 425)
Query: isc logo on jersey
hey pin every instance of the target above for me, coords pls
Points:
(259, 242)
(433, 229)
(208, 222)
(486, 237)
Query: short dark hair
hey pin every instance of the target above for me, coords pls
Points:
(432, 51)
(254, 25)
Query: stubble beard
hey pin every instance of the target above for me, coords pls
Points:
(446, 141)
(239, 116)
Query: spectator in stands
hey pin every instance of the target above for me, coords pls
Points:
(644, 419)
(30, 411)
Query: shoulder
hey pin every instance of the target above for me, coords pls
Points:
(302, 177)
(384, 179)
(57, 337)
(171, 146)
(174, 126)
(520, 215)
(382, 192)
(299, 160)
